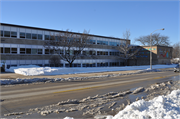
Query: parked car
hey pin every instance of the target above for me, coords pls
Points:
(176, 69)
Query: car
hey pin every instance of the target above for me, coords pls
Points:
(176, 69)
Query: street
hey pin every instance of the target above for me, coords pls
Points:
(23, 97)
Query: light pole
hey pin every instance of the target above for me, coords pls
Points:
(151, 48)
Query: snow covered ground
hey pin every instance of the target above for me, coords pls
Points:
(32, 70)
(161, 107)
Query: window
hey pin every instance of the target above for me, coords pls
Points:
(47, 37)
(22, 35)
(2, 50)
(28, 35)
(99, 42)
(7, 50)
(92, 52)
(114, 64)
(14, 34)
(91, 41)
(14, 50)
(34, 36)
(102, 64)
(39, 51)
(2, 33)
(113, 44)
(52, 37)
(76, 65)
(66, 65)
(39, 37)
(105, 42)
(61, 51)
(22, 51)
(6, 33)
(33, 51)
(28, 50)
(46, 51)
(51, 51)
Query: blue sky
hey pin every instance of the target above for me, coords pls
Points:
(106, 18)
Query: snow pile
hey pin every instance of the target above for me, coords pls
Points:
(13, 69)
(162, 107)
(31, 70)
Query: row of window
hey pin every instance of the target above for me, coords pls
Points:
(30, 36)
(49, 37)
(22, 50)
(9, 34)
(50, 51)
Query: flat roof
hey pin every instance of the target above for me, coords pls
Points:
(57, 30)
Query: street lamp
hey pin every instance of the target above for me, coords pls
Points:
(151, 48)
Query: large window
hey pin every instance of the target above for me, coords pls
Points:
(91, 42)
(34, 36)
(22, 51)
(28, 50)
(51, 51)
(39, 51)
(47, 37)
(39, 37)
(7, 50)
(34, 51)
(28, 35)
(6, 33)
(52, 38)
(14, 34)
(113, 43)
(14, 50)
(46, 51)
(102, 42)
(22, 35)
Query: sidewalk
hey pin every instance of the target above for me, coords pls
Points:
(14, 76)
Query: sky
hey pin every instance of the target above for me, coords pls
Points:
(105, 18)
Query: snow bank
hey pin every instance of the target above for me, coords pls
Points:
(162, 107)
(13, 69)
(31, 70)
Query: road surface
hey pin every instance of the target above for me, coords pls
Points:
(20, 98)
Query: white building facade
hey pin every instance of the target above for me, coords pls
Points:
(23, 45)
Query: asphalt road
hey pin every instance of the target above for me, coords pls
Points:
(23, 97)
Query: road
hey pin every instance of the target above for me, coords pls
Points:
(23, 97)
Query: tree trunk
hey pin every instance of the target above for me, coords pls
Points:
(70, 64)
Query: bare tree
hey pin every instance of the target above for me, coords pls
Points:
(176, 50)
(127, 51)
(157, 39)
(55, 61)
(126, 34)
(68, 45)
